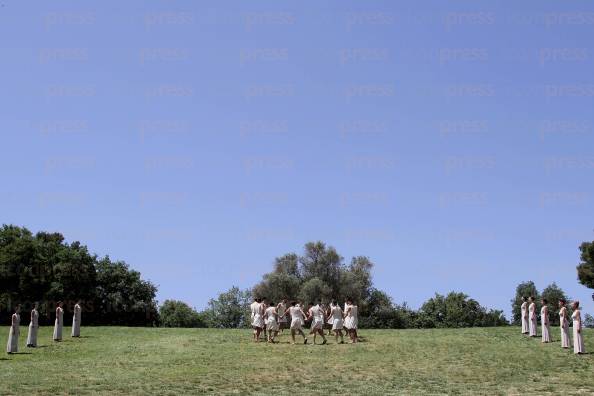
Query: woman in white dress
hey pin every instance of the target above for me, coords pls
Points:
(257, 320)
(544, 321)
(33, 328)
(578, 340)
(297, 316)
(335, 317)
(316, 314)
(524, 312)
(532, 317)
(564, 324)
(281, 309)
(271, 319)
(76, 317)
(59, 322)
(13, 334)
(351, 320)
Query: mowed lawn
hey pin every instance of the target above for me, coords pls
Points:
(122, 360)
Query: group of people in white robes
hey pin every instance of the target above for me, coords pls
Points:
(270, 319)
(14, 332)
(529, 322)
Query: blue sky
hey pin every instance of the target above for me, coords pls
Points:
(449, 142)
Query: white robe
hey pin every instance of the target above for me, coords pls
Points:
(59, 323)
(524, 311)
(317, 322)
(351, 322)
(296, 318)
(544, 321)
(33, 329)
(564, 325)
(271, 322)
(76, 317)
(336, 318)
(13, 334)
(257, 319)
(532, 318)
(578, 340)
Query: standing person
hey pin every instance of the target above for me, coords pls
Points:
(76, 317)
(351, 320)
(316, 313)
(33, 327)
(12, 346)
(532, 317)
(281, 308)
(328, 324)
(578, 340)
(264, 308)
(59, 322)
(563, 324)
(297, 316)
(257, 321)
(524, 311)
(544, 321)
(271, 319)
(337, 321)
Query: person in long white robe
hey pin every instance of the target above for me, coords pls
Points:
(33, 328)
(297, 316)
(257, 319)
(76, 317)
(59, 323)
(532, 317)
(12, 345)
(544, 321)
(271, 318)
(316, 313)
(524, 313)
(578, 339)
(337, 322)
(564, 324)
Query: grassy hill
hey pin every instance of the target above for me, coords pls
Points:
(121, 360)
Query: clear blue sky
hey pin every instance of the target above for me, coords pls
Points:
(449, 142)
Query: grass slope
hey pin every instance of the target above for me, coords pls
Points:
(121, 360)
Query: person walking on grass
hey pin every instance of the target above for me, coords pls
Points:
(76, 317)
(351, 320)
(59, 323)
(257, 320)
(524, 313)
(13, 334)
(281, 308)
(544, 321)
(564, 324)
(336, 319)
(264, 308)
(532, 317)
(316, 314)
(297, 316)
(271, 320)
(328, 311)
(578, 340)
(33, 327)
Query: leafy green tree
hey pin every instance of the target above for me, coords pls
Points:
(524, 289)
(458, 310)
(230, 309)
(553, 294)
(175, 313)
(314, 289)
(585, 269)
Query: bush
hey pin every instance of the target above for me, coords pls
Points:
(179, 314)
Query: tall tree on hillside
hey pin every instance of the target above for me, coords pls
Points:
(322, 262)
(230, 309)
(553, 294)
(524, 289)
(585, 269)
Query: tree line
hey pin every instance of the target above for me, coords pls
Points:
(43, 268)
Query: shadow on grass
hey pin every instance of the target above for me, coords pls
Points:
(20, 353)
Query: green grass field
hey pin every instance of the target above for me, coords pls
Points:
(121, 360)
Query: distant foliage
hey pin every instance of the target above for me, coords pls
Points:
(44, 268)
(589, 321)
(179, 314)
(229, 310)
(320, 272)
(585, 269)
